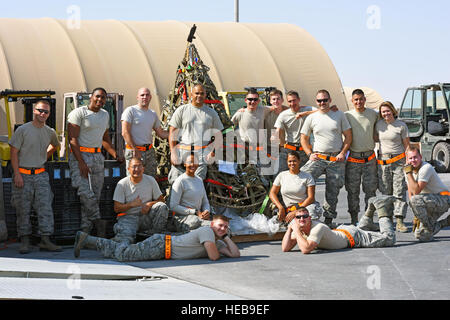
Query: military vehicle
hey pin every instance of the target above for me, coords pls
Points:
(425, 110)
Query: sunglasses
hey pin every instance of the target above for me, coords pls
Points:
(322, 100)
(43, 111)
(252, 99)
(304, 216)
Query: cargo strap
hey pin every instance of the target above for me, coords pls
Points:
(361, 160)
(168, 247)
(213, 102)
(391, 160)
(324, 157)
(31, 171)
(141, 148)
(445, 193)
(348, 235)
(90, 150)
(217, 183)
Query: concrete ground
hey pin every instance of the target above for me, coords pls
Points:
(408, 271)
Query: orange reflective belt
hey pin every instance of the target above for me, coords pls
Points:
(364, 160)
(392, 160)
(328, 158)
(121, 214)
(257, 148)
(141, 148)
(168, 249)
(445, 193)
(90, 150)
(349, 237)
(291, 147)
(32, 171)
(191, 147)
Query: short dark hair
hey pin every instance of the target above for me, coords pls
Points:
(294, 154)
(324, 92)
(293, 93)
(358, 92)
(135, 159)
(101, 89)
(252, 91)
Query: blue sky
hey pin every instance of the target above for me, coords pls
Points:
(384, 45)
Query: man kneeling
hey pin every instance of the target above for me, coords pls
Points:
(207, 241)
(310, 235)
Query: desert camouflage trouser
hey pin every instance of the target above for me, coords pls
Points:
(283, 159)
(35, 193)
(151, 248)
(391, 181)
(148, 160)
(89, 189)
(371, 239)
(334, 181)
(153, 222)
(189, 222)
(428, 207)
(355, 173)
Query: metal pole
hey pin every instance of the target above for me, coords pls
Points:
(236, 10)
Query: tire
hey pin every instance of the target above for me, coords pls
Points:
(441, 157)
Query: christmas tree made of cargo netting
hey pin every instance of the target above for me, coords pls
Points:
(243, 191)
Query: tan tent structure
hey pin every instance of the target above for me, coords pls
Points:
(122, 56)
(373, 98)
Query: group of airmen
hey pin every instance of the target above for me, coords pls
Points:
(304, 141)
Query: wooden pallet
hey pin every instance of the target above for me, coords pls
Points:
(257, 237)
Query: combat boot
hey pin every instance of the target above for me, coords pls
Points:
(83, 240)
(366, 222)
(100, 226)
(24, 245)
(400, 226)
(47, 245)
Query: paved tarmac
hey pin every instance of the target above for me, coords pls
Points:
(408, 271)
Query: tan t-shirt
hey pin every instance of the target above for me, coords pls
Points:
(428, 174)
(92, 126)
(251, 124)
(291, 125)
(32, 143)
(196, 124)
(391, 136)
(363, 126)
(142, 121)
(294, 187)
(190, 245)
(327, 129)
(126, 191)
(327, 238)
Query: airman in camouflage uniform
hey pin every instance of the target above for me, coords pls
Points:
(139, 204)
(288, 127)
(31, 187)
(361, 162)
(328, 154)
(87, 130)
(188, 200)
(138, 122)
(393, 136)
(429, 196)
